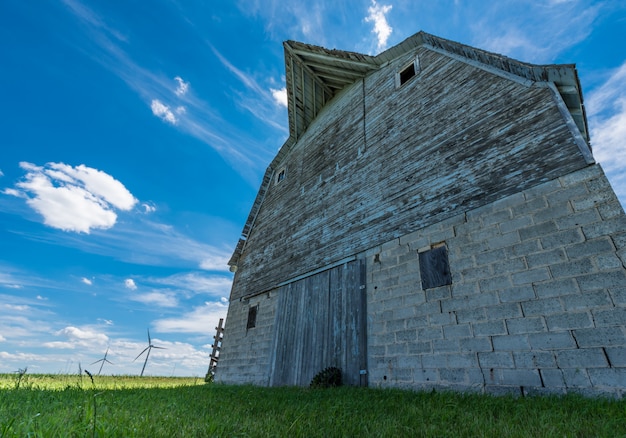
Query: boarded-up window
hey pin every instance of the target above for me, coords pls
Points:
(252, 311)
(434, 267)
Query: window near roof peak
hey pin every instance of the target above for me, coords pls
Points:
(407, 72)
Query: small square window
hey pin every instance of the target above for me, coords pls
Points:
(434, 267)
(252, 311)
(407, 72)
(280, 175)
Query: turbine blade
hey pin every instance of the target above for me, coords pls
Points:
(144, 350)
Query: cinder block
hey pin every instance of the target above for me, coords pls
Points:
(608, 377)
(607, 262)
(602, 245)
(475, 345)
(570, 269)
(569, 321)
(610, 317)
(524, 248)
(556, 288)
(588, 300)
(551, 341)
(552, 378)
(496, 359)
(515, 224)
(581, 358)
(429, 333)
(534, 359)
(543, 189)
(509, 201)
(517, 294)
(605, 228)
(565, 194)
(453, 375)
(544, 306)
(602, 280)
(538, 230)
(584, 174)
(465, 360)
(406, 335)
(530, 276)
(600, 337)
(501, 282)
(610, 210)
(546, 258)
(419, 348)
(435, 360)
(526, 325)
(503, 311)
(510, 343)
(529, 206)
(496, 217)
(445, 318)
(521, 377)
(503, 240)
(445, 346)
(471, 315)
(489, 328)
(562, 238)
(593, 200)
(457, 331)
(553, 212)
(617, 356)
(576, 378)
(578, 219)
(488, 257)
(426, 375)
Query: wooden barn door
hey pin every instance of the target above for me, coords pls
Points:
(321, 322)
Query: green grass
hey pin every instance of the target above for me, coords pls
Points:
(124, 407)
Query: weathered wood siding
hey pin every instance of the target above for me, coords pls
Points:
(321, 322)
(380, 162)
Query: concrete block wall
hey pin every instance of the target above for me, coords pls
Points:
(537, 302)
(246, 354)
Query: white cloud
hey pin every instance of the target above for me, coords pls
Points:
(381, 26)
(163, 111)
(606, 109)
(2, 338)
(280, 96)
(201, 320)
(86, 281)
(196, 282)
(77, 337)
(183, 86)
(148, 208)
(73, 198)
(161, 299)
(130, 284)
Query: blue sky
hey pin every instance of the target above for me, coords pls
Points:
(134, 136)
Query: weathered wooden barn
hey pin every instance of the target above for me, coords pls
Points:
(435, 220)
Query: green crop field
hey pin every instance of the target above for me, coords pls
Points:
(124, 406)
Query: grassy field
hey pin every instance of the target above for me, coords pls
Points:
(64, 406)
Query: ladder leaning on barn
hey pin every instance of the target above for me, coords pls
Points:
(215, 353)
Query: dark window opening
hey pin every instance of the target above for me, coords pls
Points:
(407, 73)
(252, 311)
(434, 267)
(280, 176)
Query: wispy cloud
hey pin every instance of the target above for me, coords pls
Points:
(200, 320)
(182, 88)
(163, 111)
(172, 101)
(382, 29)
(87, 281)
(77, 199)
(533, 32)
(606, 109)
(156, 298)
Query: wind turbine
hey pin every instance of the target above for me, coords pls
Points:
(148, 348)
(103, 360)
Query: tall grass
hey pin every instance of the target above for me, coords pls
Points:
(197, 410)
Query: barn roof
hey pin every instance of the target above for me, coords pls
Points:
(314, 75)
